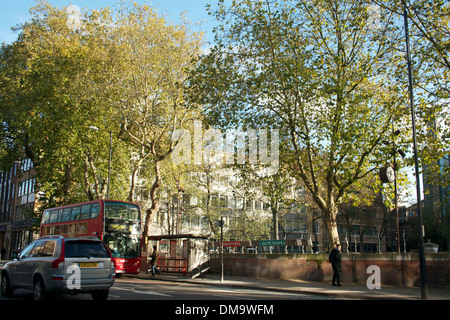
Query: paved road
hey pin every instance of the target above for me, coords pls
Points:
(139, 289)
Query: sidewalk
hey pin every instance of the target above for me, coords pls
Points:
(320, 288)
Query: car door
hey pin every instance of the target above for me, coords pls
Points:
(29, 264)
(15, 267)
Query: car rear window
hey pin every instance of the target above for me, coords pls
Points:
(85, 249)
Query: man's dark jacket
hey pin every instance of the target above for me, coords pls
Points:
(335, 259)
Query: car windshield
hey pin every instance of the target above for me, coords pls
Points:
(86, 249)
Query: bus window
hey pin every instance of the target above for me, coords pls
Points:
(85, 211)
(54, 215)
(64, 229)
(119, 210)
(81, 228)
(76, 213)
(66, 214)
(46, 217)
(95, 210)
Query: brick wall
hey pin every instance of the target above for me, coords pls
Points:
(396, 269)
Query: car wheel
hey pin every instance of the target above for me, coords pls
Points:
(39, 292)
(6, 289)
(100, 295)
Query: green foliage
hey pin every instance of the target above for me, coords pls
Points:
(319, 71)
(429, 32)
(122, 74)
(47, 109)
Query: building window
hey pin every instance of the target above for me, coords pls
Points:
(231, 202)
(10, 212)
(248, 204)
(239, 203)
(13, 189)
(195, 220)
(223, 201)
(186, 220)
(370, 231)
(26, 165)
(316, 227)
(205, 221)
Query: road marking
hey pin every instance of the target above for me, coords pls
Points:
(153, 293)
(231, 297)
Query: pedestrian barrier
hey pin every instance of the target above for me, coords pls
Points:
(178, 265)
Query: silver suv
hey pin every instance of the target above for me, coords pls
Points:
(55, 265)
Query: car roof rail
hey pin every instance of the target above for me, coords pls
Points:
(51, 237)
(87, 238)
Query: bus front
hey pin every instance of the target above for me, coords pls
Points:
(122, 235)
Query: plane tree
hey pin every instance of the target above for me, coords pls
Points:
(319, 71)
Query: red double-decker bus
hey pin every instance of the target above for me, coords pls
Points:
(116, 223)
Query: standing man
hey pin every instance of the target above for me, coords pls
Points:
(154, 261)
(336, 263)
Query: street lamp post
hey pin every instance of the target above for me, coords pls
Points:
(221, 249)
(422, 258)
(395, 150)
(109, 160)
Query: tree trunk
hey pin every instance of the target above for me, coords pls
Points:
(361, 241)
(67, 179)
(330, 216)
(87, 185)
(276, 235)
(133, 180)
(150, 214)
(153, 210)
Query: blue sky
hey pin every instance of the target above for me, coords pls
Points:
(13, 12)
